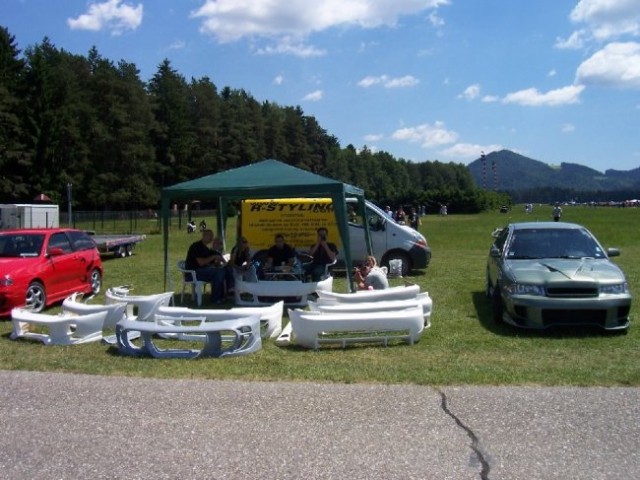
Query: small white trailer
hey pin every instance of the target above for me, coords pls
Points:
(22, 215)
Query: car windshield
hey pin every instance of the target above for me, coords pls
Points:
(21, 245)
(552, 243)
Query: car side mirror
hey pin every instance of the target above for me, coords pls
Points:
(494, 252)
(55, 252)
(613, 252)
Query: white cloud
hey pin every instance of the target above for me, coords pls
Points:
(313, 96)
(469, 151)
(617, 64)
(231, 20)
(400, 82)
(568, 128)
(389, 82)
(435, 20)
(471, 92)
(608, 18)
(531, 97)
(575, 41)
(427, 135)
(490, 98)
(278, 80)
(373, 137)
(178, 45)
(289, 46)
(110, 15)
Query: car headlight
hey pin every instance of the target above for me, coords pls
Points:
(617, 289)
(524, 289)
(6, 281)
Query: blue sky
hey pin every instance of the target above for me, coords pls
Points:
(555, 80)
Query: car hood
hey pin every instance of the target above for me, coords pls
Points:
(15, 266)
(551, 270)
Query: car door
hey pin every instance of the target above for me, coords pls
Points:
(64, 268)
(496, 259)
(87, 254)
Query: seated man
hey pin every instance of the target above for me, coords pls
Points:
(370, 276)
(208, 264)
(280, 254)
(324, 253)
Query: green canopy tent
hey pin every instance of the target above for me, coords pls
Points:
(266, 179)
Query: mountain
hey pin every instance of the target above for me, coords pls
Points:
(508, 171)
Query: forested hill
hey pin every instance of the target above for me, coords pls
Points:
(509, 171)
(95, 124)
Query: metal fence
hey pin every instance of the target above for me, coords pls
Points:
(133, 221)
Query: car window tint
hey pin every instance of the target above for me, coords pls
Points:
(501, 239)
(21, 245)
(81, 241)
(60, 240)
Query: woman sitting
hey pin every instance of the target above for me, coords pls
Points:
(370, 276)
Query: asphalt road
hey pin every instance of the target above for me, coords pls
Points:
(63, 426)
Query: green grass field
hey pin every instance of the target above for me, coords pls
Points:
(463, 346)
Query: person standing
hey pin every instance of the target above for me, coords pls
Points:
(414, 219)
(208, 264)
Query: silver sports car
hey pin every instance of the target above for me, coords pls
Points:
(543, 274)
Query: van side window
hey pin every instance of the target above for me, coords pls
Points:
(375, 222)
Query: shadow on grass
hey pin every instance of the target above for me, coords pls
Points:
(482, 305)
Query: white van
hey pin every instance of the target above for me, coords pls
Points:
(299, 218)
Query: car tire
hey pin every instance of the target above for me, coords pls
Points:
(95, 281)
(497, 308)
(36, 297)
(406, 263)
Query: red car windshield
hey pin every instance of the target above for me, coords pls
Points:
(20, 245)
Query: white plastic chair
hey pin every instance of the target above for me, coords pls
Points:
(63, 329)
(189, 279)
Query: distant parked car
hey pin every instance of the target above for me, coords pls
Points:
(544, 274)
(39, 267)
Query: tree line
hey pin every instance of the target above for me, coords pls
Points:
(95, 124)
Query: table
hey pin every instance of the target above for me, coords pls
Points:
(284, 273)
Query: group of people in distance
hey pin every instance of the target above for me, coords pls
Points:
(401, 217)
(206, 258)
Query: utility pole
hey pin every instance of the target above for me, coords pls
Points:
(69, 211)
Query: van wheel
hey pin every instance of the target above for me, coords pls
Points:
(406, 263)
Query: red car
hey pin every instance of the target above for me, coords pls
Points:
(39, 267)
